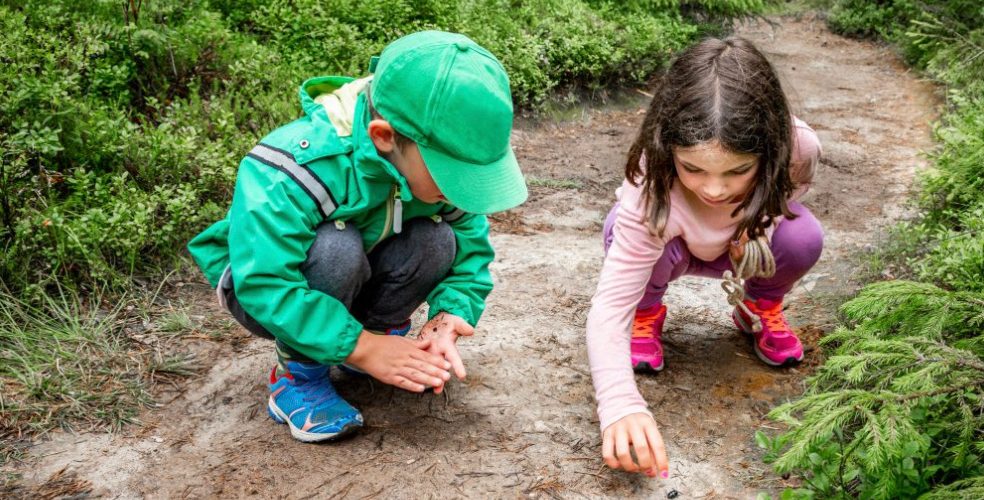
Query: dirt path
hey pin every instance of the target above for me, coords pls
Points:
(524, 422)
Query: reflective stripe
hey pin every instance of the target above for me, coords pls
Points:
(225, 283)
(453, 215)
(284, 161)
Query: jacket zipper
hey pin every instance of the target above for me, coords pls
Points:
(394, 216)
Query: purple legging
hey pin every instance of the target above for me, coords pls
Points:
(796, 246)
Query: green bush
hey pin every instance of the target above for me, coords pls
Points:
(897, 408)
(121, 124)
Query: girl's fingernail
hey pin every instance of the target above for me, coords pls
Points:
(665, 474)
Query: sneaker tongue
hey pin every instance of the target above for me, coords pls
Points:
(766, 304)
(306, 371)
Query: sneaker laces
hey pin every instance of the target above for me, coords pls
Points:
(774, 318)
(644, 325)
(318, 391)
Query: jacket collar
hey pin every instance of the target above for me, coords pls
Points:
(364, 154)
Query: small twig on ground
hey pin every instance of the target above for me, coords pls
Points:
(373, 495)
(342, 492)
(599, 476)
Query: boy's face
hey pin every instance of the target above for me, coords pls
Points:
(407, 160)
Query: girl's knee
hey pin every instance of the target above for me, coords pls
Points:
(675, 252)
(801, 239)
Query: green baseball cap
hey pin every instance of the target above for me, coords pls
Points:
(451, 96)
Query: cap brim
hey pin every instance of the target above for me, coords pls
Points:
(474, 188)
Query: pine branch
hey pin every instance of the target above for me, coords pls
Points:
(966, 489)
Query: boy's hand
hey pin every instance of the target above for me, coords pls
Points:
(638, 432)
(442, 331)
(399, 361)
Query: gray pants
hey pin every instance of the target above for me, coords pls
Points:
(381, 289)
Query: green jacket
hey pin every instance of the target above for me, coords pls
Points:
(313, 170)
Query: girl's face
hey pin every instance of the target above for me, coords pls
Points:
(713, 174)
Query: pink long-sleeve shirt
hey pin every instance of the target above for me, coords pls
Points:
(628, 266)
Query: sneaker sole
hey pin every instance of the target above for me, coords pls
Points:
(747, 330)
(644, 366)
(280, 417)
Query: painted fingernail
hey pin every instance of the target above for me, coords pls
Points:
(665, 474)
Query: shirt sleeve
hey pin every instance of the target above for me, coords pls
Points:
(805, 157)
(271, 227)
(624, 275)
(464, 290)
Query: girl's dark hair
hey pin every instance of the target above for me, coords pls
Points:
(724, 90)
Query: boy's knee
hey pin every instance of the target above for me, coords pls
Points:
(336, 259)
(433, 242)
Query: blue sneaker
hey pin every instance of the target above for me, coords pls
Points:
(402, 331)
(304, 399)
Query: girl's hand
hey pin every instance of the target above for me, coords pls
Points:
(442, 331)
(399, 361)
(636, 432)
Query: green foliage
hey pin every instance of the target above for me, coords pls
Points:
(967, 489)
(896, 410)
(894, 18)
(119, 134)
(897, 407)
(121, 123)
(870, 18)
(82, 362)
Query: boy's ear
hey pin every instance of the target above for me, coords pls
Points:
(383, 136)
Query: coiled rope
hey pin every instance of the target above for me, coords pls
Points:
(749, 259)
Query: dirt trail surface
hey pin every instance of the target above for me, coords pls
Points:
(524, 422)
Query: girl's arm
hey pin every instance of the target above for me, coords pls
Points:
(805, 158)
(626, 271)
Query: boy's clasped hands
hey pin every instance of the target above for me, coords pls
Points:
(414, 364)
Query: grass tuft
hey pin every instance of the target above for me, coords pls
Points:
(61, 362)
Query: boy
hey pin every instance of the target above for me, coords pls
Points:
(345, 220)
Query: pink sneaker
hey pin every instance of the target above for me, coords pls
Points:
(647, 327)
(776, 344)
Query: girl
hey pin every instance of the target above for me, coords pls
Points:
(711, 179)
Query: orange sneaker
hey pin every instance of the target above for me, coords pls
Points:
(776, 344)
(647, 327)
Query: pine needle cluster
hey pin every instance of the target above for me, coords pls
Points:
(898, 407)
